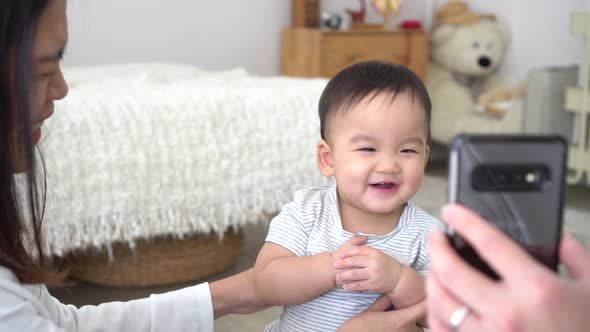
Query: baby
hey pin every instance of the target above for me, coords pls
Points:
(375, 133)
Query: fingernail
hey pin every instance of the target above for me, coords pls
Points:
(446, 210)
(450, 210)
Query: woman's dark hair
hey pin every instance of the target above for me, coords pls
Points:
(370, 78)
(22, 202)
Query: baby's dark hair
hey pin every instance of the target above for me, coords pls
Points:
(370, 78)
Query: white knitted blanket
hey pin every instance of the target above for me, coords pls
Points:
(138, 151)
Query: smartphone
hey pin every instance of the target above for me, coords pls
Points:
(514, 182)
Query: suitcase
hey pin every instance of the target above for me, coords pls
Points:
(544, 110)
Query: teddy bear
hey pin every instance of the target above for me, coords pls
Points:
(467, 95)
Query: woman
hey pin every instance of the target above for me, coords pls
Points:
(33, 36)
(528, 298)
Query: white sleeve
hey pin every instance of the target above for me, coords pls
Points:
(287, 230)
(188, 309)
(290, 228)
(422, 261)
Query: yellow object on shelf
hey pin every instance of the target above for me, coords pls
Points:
(387, 8)
(387, 5)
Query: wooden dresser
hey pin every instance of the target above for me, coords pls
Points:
(311, 52)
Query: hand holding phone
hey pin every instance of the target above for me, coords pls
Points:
(517, 184)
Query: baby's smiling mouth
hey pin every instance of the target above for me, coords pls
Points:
(383, 185)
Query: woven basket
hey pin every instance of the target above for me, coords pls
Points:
(158, 261)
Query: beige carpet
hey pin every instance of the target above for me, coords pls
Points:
(430, 198)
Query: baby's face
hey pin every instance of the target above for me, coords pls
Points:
(378, 152)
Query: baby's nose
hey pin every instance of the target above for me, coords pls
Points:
(388, 165)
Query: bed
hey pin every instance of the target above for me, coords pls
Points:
(139, 152)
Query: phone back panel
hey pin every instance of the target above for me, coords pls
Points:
(532, 217)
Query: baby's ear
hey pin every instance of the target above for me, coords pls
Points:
(324, 156)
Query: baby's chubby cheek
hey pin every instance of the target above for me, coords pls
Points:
(353, 169)
(414, 178)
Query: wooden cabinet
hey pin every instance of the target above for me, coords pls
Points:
(323, 53)
(306, 13)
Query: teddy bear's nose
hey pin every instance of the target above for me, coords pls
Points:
(484, 61)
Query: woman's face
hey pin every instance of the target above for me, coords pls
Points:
(47, 83)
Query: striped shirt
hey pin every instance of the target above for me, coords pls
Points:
(311, 225)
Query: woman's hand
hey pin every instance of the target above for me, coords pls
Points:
(529, 297)
(376, 318)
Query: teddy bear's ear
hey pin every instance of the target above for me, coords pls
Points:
(505, 32)
(442, 34)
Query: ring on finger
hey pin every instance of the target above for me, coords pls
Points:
(458, 317)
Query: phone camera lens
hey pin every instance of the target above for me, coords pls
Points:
(530, 177)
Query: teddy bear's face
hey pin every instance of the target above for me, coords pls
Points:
(476, 49)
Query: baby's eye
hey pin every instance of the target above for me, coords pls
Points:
(409, 151)
(367, 149)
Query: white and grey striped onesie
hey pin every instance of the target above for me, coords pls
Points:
(311, 224)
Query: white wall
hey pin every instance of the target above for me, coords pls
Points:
(226, 34)
(210, 34)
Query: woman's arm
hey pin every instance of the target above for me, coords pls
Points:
(377, 318)
(32, 308)
(235, 295)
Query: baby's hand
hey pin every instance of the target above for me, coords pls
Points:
(354, 242)
(370, 270)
